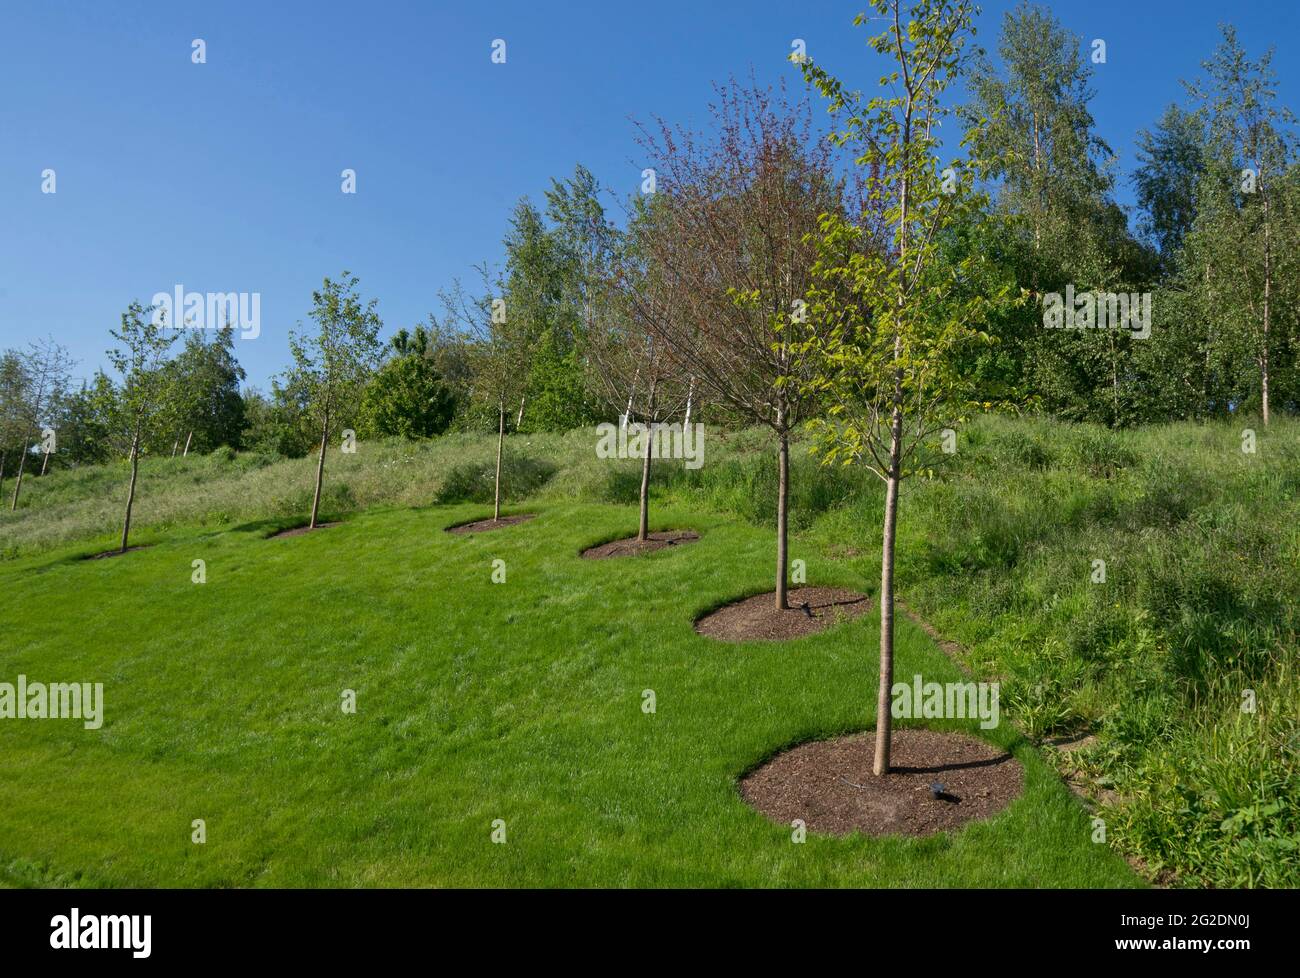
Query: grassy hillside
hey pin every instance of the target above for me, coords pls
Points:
(475, 702)
(1200, 541)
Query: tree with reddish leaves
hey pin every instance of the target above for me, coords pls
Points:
(734, 230)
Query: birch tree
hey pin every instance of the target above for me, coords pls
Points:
(1250, 149)
(48, 368)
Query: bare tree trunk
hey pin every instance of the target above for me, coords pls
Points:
(520, 420)
(188, 437)
(782, 514)
(883, 716)
(1263, 383)
(627, 415)
(4, 458)
(501, 439)
(690, 399)
(1209, 345)
(320, 469)
(45, 461)
(1268, 290)
(1114, 381)
(130, 492)
(18, 486)
(643, 525)
(176, 445)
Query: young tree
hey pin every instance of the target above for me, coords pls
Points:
(331, 365)
(625, 319)
(887, 314)
(49, 368)
(140, 400)
(500, 350)
(734, 219)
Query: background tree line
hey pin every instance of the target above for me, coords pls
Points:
(689, 290)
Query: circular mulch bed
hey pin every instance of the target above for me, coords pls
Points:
(939, 781)
(482, 526)
(631, 546)
(812, 609)
(115, 553)
(298, 531)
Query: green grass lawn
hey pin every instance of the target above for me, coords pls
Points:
(475, 701)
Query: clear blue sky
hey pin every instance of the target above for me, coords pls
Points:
(226, 176)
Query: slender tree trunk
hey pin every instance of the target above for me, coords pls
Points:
(1114, 381)
(643, 524)
(188, 437)
(4, 458)
(1268, 290)
(501, 440)
(883, 716)
(1038, 213)
(1209, 346)
(520, 420)
(22, 464)
(45, 461)
(690, 399)
(782, 513)
(176, 444)
(320, 470)
(130, 492)
(1263, 383)
(627, 415)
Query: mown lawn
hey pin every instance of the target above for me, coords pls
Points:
(475, 701)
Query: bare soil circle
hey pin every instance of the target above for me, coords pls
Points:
(631, 546)
(482, 526)
(812, 610)
(298, 531)
(938, 781)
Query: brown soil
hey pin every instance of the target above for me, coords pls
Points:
(631, 546)
(482, 526)
(829, 784)
(114, 553)
(298, 531)
(812, 609)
